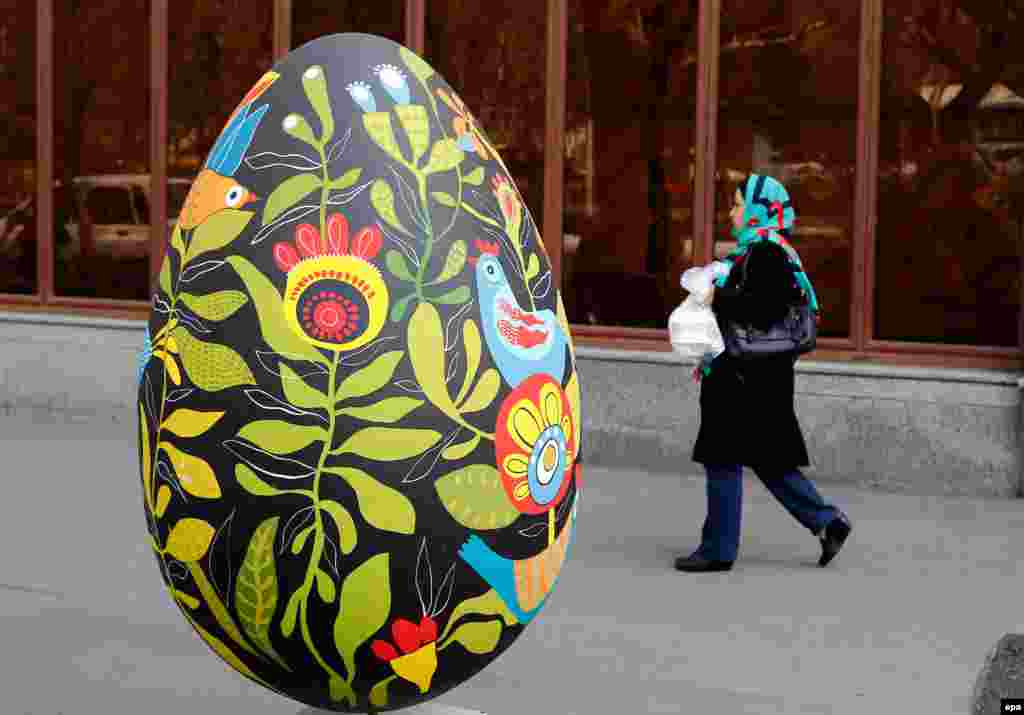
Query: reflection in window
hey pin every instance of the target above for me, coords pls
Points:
(101, 148)
(17, 147)
(630, 112)
(314, 18)
(216, 53)
(788, 109)
(951, 175)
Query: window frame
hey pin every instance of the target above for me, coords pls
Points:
(861, 345)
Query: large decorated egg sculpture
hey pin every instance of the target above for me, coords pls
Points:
(359, 413)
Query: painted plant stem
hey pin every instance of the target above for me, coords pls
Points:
(458, 168)
(485, 219)
(428, 246)
(318, 527)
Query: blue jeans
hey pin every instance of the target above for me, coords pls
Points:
(720, 536)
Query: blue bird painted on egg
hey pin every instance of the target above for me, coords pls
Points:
(524, 584)
(521, 342)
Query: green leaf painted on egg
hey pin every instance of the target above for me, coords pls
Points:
(211, 366)
(475, 177)
(379, 692)
(445, 155)
(472, 345)
(461, 450)
(218, 231)
(280, 437)
(295, 125)
(300, 540)
(250, 482)
(389, 444)
(325, 586)
(383, 200)
(477, 637)
(370, 379)
(532, 267)
(314, 81)
(426, 353)
(396, 263)
(215, 306)
(275, 331)
(177, 243)
(291, 613)
(189, 540)
(443, 198)
(386, 411)
(378, 126)
(475, 497)
(416, 64)
(347, 533)
(256, 589)
(400, 307)
(299, 392)
(345, 180)
(364, 607)
(488, 604)
(383, 507)
(484, 393)
(413, 118)
(456, 296)
(288, 193)
(195, 474)
(454, 263)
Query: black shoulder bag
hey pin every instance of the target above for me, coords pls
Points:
(794, 335)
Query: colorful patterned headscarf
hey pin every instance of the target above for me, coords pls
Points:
(767, 211)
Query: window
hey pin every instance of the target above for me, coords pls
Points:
(927, 265)
(950, 176)
(314, 18)
(101, 148)
(788, 109)
(17, 147)
(629, 167)
(216, 53)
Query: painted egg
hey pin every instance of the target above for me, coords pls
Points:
(359, 409)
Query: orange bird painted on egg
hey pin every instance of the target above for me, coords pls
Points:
(215, 189)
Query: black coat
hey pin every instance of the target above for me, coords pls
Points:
(746, 408)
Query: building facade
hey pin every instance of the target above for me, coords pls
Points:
(897, 125)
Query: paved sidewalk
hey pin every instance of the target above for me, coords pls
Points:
(900, 622)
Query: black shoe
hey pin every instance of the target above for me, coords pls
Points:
(697, 564)
(833, 539)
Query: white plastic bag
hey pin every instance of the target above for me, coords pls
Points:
(697, 280)
(692, 327)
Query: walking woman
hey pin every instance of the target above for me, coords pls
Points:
(746, 407)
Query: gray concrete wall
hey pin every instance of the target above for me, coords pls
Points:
(927, 431)
(903, 429)
(63, 367)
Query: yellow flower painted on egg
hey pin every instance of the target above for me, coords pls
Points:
(535, 444)
(335, 297)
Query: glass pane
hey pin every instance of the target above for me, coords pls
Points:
(101, 148)
(950, 175)
(492, 55)
(630, 131)
(17, 147)
(314, 18)
(788, 109)
(215, 54)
